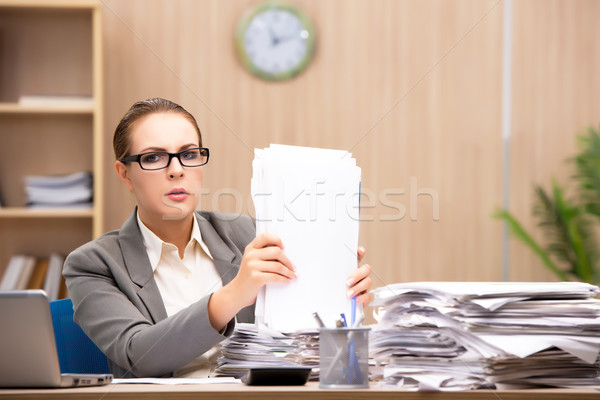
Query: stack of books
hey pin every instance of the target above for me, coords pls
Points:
(468, 335)
(27, 272)
(72, 190)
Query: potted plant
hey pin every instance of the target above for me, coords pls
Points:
(569, 217)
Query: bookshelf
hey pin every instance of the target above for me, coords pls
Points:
(50, 120)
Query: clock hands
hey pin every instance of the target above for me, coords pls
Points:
(272, 36)
(277, 40)
(287, 38)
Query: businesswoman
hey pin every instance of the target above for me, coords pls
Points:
(159, 294)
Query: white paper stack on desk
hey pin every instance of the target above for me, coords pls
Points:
(461, 335)
(248, 347)
(251, 346)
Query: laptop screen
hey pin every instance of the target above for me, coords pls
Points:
(27, 344)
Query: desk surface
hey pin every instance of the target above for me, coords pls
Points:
(310, 391)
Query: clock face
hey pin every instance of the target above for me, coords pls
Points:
(275, 41)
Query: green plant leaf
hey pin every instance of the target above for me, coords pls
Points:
(587, 164)
(519, 232)
(571, 223)
(550, 220)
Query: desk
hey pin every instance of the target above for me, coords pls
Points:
(310, 391)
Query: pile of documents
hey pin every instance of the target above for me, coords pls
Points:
(254, 346)
(466, 335)
(72, 190)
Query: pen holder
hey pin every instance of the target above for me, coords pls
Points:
(344, 357)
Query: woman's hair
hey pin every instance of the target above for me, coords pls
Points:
(121, 141)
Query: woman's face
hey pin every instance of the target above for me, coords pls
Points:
(171, 193)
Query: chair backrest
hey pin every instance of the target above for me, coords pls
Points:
(76, 352)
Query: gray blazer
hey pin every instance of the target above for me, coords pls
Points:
(118, 304)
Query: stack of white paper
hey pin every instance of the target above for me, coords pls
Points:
(72, 190)
(253, 346)
(460, 335)
(310, 198)
(306, 351)
(249, 347)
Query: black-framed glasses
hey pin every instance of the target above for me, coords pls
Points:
(153, 160)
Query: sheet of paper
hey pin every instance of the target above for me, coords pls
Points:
(586, 349)
(479, 290)
(177, 381)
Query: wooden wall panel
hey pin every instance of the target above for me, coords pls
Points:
(555, 96)
(411, 88)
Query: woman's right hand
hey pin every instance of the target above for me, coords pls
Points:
(263, 262)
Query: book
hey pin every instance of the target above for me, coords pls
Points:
(53, 276)
(63, 292)
(25, 273)
(58, 195)
(81, 178)
(39, 274)
(49, 100)
(12, 272)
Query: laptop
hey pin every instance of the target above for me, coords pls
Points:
(28, 356)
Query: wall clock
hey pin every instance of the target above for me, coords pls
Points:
(275, 41)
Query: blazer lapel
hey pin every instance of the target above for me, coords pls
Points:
(138, 266)
(225, 260)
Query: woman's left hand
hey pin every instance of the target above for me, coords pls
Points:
(359, 282)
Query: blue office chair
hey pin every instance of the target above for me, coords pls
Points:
(76, 352)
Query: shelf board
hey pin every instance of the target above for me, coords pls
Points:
(24, 212)
(16, 108)
(50, 3)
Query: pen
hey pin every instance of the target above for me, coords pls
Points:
(359, 321)
(353, 367)
(353, 314)
(319, 320)
(344, 319)
(332, 341)
(339, 323)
